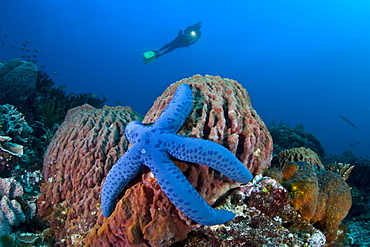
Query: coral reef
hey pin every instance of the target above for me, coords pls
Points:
(53, 103)
(79, 156)
(221, 112)
(154, 145)
(42, 104)
(17, 81)
(323, 197)
(286, 137)
(264, 218)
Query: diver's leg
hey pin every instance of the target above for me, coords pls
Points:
(165, 46)
(168, 50)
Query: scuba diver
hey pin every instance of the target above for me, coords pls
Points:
(184, 38)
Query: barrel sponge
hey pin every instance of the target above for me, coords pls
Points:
(17, 81)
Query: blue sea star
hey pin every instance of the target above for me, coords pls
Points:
(154, 145)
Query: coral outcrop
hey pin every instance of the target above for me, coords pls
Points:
(17, 81)
(321, 196)
(78, 158)
(81, 154)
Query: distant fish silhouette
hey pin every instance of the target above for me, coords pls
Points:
(348, 121)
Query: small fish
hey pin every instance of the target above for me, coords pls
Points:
(3, 43)
(22, 49)
(42, 67)
(71, 95)
(27, 50)
(62, 87)
(117, 103)
(55, 72)
(348, 121)
(34, 56)
(24, 44)
(36, 50)
(29, 41)
(5, 36)
(93, 96)
(13, 47)
(23, 56)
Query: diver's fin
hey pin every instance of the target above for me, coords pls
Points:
(149, 56)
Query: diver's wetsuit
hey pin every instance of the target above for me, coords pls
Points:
(190, 35)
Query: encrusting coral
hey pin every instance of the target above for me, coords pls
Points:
(321, 196)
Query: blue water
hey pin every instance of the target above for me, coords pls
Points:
(301, 61)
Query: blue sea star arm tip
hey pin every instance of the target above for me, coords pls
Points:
(174, 115)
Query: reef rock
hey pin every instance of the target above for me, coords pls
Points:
(222, 112)
(323, 197)
(17, 81)
(81, 153)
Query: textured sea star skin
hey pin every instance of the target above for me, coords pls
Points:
(154, 145)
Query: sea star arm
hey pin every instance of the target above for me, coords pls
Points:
(125, 169)
(177, 110)
(208, 153)
(181, 193)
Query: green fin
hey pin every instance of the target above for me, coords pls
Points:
(149, 54)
